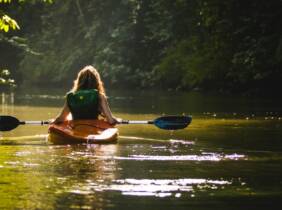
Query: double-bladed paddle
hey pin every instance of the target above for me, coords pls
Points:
(8, 123)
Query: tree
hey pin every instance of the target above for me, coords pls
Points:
(7, 23)
(232, 45)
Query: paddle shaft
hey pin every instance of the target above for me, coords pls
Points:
(34, 122)
(122, 122)
(136, 122)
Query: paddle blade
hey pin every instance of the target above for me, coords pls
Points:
(172, 122)
(8, 123)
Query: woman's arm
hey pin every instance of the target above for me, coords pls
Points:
(105, 110)
(63, 115)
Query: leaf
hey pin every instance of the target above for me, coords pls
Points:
(14, 24)
(6, 22)
(6, 28)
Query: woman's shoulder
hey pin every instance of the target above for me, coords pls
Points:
(69, 93)
(102, 96)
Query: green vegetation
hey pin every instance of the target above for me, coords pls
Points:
(7, 23)
(232, 45)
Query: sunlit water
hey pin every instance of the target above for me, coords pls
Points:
(230, 157)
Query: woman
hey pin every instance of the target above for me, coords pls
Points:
(87, 99)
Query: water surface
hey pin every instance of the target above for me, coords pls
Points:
(230, 157)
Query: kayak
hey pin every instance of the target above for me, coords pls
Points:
(82, 131)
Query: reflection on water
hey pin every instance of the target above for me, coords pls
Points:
(230, 157)
(152, 187)
(202, 157)
(7, 103)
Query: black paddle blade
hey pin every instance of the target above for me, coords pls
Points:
(172, 122)
(8, 123)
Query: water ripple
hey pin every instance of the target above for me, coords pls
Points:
(150, 187)
(202, 157)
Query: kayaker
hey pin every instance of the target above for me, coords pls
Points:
(87, 98)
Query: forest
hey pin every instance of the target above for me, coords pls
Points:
(224, 46)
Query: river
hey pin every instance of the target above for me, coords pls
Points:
(230, 157)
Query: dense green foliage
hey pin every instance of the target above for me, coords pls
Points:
(7, 23)
(232, 45)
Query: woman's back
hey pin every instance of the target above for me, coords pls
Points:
(84, 104)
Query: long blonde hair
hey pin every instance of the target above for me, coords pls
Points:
(88, 78)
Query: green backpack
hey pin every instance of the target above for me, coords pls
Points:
(84, 104)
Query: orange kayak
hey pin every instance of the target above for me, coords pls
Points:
(82, 131)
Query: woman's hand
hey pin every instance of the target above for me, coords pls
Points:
(56, 121)
(114, 120)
